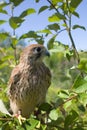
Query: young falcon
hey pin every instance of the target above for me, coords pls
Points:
(29, 81)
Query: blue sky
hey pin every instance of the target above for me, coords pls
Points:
(39, 22)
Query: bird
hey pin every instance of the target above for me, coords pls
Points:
(29, 81)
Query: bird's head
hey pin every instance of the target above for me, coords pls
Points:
(34, 53)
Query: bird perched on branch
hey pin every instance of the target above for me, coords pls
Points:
(29, 80)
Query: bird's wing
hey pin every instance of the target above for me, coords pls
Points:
(15, 77)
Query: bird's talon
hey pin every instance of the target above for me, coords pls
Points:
(21, 119)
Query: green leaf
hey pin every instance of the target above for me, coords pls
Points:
(4, 35)
(27, 12)
(75, 14)
(83, 98)
(80, 85)
(30, 34)
(43, 8)
(16, 2)
(70, 119)
(63, 94)
(54, 2)
(3, 11)
(3, 65)
(59, 102)
(53, 18)
(37, 1)
(50, 42)
(83, 65)
(45, 107)
(82, 108)
(15, 22)
(40, 40)
(56, 17)
(14, 41)
(57, 47)
(2, 21)
(5, 58)
(32, 124)
(78, 82)
(79, 26)
(54, 26)
(75, 3)
(45, 31)
(68, 54)
(3, 108)
(53, 114)
(3, 4)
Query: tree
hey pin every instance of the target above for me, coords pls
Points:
(67, 109)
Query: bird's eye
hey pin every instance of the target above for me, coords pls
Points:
(38, 49)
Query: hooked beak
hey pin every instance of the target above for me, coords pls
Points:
(47, 53)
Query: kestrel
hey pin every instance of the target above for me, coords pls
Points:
(29, 81)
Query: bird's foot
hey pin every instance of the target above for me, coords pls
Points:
(19, 117)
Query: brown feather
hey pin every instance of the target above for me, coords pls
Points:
(29, 81)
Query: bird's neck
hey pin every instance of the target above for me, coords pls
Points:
(31, 64)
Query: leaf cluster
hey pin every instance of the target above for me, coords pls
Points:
(66, 104)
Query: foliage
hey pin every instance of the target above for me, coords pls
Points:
(66, 104)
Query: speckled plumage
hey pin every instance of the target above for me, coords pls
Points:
(29, 81)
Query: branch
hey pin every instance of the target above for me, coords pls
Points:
(53, 5)
(61, 31)
(74, 47)
(69, 99)
(6, 119)
(68, 28)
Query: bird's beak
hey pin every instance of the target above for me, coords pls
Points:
(47, 53)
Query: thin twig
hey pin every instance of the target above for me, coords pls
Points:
(68, 26)
(6, 119)
(72, 41)
(53, 6)
(61, 30)
(69, 99)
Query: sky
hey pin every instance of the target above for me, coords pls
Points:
(40, 21)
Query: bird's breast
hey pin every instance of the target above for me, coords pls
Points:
(35, 83)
